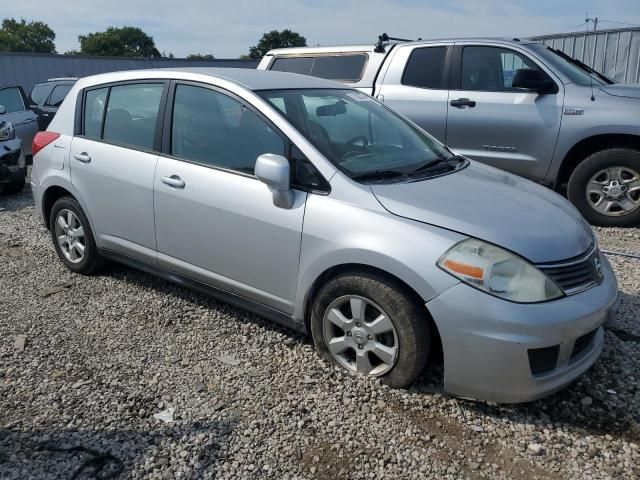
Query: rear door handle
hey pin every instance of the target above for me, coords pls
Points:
(463, 102)
(173, 181)
(83, 157)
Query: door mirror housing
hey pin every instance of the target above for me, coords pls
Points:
(533, 80)
(275, 171)
(2, 110)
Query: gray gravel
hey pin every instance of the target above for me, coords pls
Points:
(91, 362)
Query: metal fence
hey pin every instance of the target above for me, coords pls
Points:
(27, 69)
(616, 52)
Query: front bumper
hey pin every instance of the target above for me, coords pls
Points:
(491, 345)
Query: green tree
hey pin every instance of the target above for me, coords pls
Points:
(20, 36)
(275, 39)
(118, 42)
(200, 56)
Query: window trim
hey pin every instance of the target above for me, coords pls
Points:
(328, 54)
(458, 57)
(446, 67)
(157, 135)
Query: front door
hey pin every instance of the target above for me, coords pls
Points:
(23, 120)
(490, 121)
(113, 163)
(215, 222)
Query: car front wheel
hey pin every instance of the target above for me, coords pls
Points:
(370, 325)
(605, 187)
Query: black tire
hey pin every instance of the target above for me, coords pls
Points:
(405, 311)
(13, 187)
(92, 261)
(576, 192)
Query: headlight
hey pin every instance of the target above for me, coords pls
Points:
(7, 132)
(498, 272)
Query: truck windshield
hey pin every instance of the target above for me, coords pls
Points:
(363, 138)
(576, 71)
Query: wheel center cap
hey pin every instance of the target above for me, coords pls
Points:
(359, 336)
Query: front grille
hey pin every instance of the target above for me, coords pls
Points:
(577, 275)
(582, 343)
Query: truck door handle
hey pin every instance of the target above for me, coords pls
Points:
(173, 181)
(463, 102)
(83, 157)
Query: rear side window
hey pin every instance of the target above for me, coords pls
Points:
(94, 103)
(211, 128)
(425, 68)
(39, 93)
(58, 95)
(347, 68)
(131, 116)
(11, 100)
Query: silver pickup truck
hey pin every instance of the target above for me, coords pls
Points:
(517, 105)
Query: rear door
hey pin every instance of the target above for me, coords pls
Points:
(415, 85)
(24, 121)
(113, 160)
(492, 122)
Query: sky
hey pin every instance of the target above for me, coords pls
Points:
(227, 29)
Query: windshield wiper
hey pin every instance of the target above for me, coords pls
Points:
(379, 174)
(583, 66)
(434, 163)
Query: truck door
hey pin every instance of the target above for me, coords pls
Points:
(490, 121)
(415, 85)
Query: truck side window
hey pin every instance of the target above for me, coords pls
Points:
(346, 68)
(492, 68)
(425, 68)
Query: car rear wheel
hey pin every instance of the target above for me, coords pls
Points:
(605, 187)
(370, 325)
(72, 237)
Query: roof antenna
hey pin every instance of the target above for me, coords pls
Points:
(586, 39)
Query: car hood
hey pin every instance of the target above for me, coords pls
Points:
(492, 205)
(622, 90)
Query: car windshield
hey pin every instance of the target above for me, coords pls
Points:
(575, 70)
(363, 138)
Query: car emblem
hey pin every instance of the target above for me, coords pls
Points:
(598, 266)
(359, 336)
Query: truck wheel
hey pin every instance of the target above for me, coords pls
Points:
(369, 325)
(605, 187)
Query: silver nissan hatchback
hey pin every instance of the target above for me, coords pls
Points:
(314, 205)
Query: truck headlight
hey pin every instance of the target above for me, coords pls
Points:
(7, 132)
(498, 272)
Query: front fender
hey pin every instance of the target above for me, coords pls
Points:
(336, 233)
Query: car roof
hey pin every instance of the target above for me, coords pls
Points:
(371, 47)
(250, 79)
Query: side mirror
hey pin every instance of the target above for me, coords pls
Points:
(274, 171)
(533, 80)
(2, 110)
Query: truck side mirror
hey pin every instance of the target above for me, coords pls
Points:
(275, 171)
(534, 80)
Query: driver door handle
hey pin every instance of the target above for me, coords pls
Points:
(83, 157)
(173, 181)
(463, 102)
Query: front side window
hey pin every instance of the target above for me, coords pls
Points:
(11, 100)
(492, 69)
(347, 68)
(425, 68)
(58, 95)
(131, 116)
(212, 128)
(359, 135)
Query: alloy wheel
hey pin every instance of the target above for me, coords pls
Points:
(614, 191)
(360, 336)
(70, 236)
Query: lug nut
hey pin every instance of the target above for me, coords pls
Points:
(360, 347)
(369, 337)
(357, 324)
(348, 334)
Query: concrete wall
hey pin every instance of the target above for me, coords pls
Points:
(26, 69)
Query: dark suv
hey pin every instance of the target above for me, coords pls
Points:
(46, 97)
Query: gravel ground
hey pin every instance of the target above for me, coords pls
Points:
(103, 355)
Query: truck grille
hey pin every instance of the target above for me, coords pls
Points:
(576, 275)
